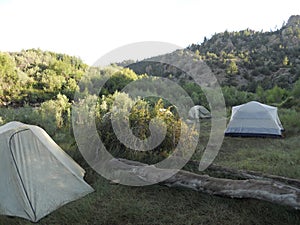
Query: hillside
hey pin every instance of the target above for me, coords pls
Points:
(246, 58)
(34, 76)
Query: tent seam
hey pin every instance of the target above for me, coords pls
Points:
(18, 171)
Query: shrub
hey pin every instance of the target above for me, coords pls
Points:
(276, 95)
(290, 119)
(233, 96)
(140, 118)
(55, 114)
(25, 114)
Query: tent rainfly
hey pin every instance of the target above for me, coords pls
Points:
(36, 175)
(254, 119)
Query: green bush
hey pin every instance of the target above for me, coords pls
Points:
(9, 80)
(276, 95)
(55, 114)
(290, 120)
(52, 115)
(25, 114)
(139, 119)
(234, 97)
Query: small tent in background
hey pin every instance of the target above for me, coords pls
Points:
(254, 119)
(36, 175)
(198, 112)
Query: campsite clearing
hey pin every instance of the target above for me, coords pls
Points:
(118, 204)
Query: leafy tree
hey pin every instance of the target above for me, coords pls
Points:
(233, 96)
(55, 114)
(276, 95)
(232, 68)
(34, 76)
(50, 81)
(261, 94)
(119, 80)
(69, 88)
(285, 61)
(196, 93)
(8, 78)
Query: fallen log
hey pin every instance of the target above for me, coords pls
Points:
(266, 190)
(243, 174)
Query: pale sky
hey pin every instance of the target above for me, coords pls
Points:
(90, 29)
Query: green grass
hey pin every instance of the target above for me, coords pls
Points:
(273, 156)
(118, 204)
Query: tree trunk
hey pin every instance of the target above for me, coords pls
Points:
(271, 189)
(242, 174)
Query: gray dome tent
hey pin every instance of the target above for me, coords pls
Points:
(198, 112)
(254, 119)
(36, 175)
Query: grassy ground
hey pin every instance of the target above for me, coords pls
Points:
(119, 205)
(273, 156)
(278, 156)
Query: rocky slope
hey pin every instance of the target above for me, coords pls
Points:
(244, 59)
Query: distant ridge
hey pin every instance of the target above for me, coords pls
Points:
(245, 58)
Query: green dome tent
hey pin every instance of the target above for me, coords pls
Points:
(254, 119)
(36, 175)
